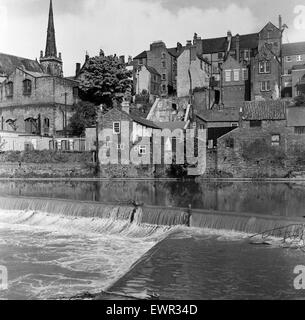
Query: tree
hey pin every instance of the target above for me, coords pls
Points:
(84, 116)
(104, 80)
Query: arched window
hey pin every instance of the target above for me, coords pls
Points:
(46, 126)
(27, 87)
(12, 124)
(31, 126)
(9, 89)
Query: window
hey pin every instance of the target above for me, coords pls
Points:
(246, 54)
(164, 88)
(245, 74)
(12, 123)
(234, 125)
(75, 92)
(116, 127)
(9, 89)
(163, 64)
(220, 55)
(163, 55)
(255, 123)
(141, 61)
(27, 87)
(288, 59)
(264, 67)
(275, 140)
(142, 150)
(265, 86)
(299, 58)
(236, 74)
(230, 143)
(228, 75)
(163, 76)
(46, 126)
(299, 130)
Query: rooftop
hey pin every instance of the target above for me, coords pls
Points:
(264, 110)
(291, 49)
(8, 64)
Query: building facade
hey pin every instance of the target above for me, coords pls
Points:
(35, 98)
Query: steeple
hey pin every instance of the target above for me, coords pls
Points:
(50, 62)
(51, 50)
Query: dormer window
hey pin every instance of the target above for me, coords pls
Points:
(9, 89)
(27, 87)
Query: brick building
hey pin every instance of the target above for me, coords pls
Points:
(164, 61)
(35, 98)
(293, 67)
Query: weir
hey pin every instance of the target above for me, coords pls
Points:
(149, 215)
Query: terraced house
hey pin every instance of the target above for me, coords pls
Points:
(35, 98)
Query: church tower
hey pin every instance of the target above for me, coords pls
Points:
(50, 62)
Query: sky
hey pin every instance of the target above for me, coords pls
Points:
(127, 27)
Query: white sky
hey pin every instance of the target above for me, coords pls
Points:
(129, 26)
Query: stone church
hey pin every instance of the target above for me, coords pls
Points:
(35, 98)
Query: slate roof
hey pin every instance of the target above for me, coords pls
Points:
(214, 45)
(264, 110)
(138, 119)
(224, 115)
(152, 70)
(142, 55)
(298, 67)
(8, 64)
(291, 49)
(172, 125)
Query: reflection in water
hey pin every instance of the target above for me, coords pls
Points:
(281, 199)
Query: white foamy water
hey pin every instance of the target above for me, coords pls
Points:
(50, 255)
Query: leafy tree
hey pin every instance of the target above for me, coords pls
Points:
(104, 80)
(84, 116)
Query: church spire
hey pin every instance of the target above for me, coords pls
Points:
(51, 50)
(50, 62)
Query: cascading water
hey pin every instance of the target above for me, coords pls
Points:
(63, 247)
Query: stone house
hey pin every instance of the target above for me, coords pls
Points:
(148, 79)
(293, 55)
(279, 129)
(235, 83)
(164, 61)
(193, 70)
(266, 66)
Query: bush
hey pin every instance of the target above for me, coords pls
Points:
(260, 150)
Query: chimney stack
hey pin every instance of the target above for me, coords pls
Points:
(188, 43)
(195, 38)
(179, 47)
(87, 56)
(280, 22)
(77, 70)
(237, 48)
